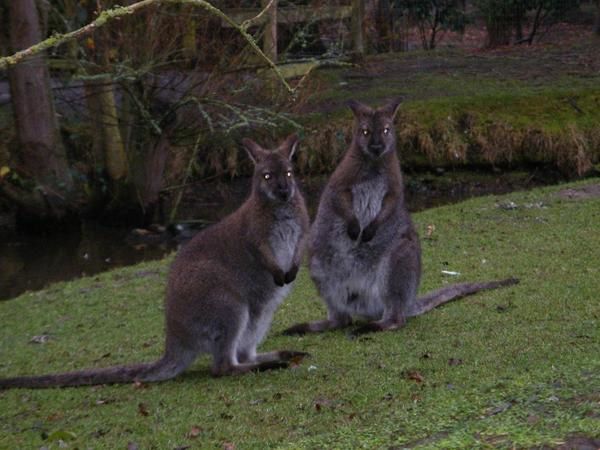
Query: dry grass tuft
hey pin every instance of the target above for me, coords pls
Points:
(571, 151)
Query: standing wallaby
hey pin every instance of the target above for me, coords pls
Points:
(365, 256)
(224, 285)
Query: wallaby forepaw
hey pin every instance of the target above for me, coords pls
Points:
(279, 278)
(353, 228)
(291, 274)
(369, 232)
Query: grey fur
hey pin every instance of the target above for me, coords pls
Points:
(365, 255)
(224, 285)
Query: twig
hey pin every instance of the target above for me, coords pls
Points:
(247, 23)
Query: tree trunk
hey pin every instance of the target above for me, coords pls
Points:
(383, 26)
(42, 157)
(498, 32)
(154, 173)
(358, 14)
(597, 23)
(189, 37)
(270, 35)
(115, 158)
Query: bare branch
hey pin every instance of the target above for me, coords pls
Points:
(247, 23)
(119, 11)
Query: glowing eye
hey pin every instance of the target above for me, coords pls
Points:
(365, 132)
(386, 130)
(267, 176)
(289, 173)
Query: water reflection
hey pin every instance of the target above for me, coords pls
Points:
(33, 262)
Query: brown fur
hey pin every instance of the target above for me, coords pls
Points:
(365, 255)
(224, 285)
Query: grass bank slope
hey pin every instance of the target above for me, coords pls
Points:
(513, 367)
(509, 107)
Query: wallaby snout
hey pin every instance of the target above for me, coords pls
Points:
(376, 148)
(284, 192)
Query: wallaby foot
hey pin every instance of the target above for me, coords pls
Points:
(239, 369)
(293, 355)
(270, 365)
(380, 325)
(281, 355)
(316, 326)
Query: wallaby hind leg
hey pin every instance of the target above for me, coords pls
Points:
(225, 350)
(171, 365)
(401, 289)
(330, 293)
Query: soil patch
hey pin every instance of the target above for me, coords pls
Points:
(582, 193)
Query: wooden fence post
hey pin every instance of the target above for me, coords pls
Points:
(270, 34)
(358, 15)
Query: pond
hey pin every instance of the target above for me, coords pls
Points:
(29, 263)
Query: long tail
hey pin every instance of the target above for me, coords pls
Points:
(453, 292)
(162, 369)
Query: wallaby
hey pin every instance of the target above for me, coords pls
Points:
(224, 285)
(364, 252)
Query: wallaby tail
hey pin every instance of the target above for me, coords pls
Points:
(453, 292)
(162, 369)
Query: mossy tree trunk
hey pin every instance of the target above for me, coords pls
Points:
(109, 158)
(47, 190)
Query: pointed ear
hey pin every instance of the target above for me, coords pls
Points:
(289, 146)
(359, 109)
(392, 107)
(255, 151)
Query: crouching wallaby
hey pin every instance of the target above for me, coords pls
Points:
(365, 256)
(224, 285)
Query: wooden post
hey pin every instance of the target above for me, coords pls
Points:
(270, 35)
(358, 15)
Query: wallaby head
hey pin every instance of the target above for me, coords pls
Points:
(273, 177)
(374, 134)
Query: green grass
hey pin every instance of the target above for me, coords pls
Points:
(460, 107)
(514, 367)
(543, 109)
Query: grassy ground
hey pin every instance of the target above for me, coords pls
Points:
(520, 104)
(514, 367)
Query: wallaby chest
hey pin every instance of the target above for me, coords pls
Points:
(284, 236)
(367, 196)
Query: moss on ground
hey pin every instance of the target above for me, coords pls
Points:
(517, 367)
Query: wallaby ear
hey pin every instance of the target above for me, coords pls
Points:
(255, 151)
(289, 146)
(392, 107)
(359, 109)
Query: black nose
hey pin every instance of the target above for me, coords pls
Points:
(283, 192)
(376, 149)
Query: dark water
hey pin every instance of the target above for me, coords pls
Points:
(30, 263)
